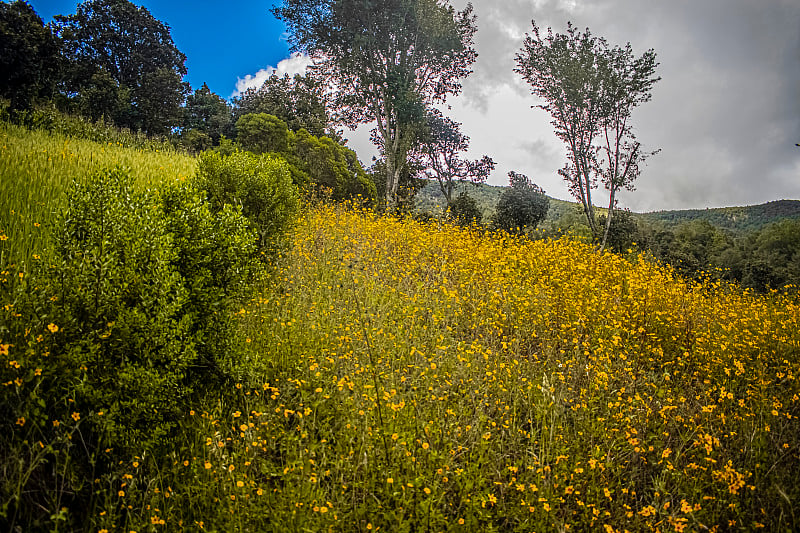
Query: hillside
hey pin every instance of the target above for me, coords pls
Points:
(389, 375)
(736, 219)
(38, 166)
(430, 199)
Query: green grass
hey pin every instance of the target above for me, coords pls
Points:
(37, 167)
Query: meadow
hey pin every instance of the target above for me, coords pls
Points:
(406, 376)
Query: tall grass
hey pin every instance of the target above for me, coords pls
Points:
(36, 168)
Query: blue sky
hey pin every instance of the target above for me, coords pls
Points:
(223, 41)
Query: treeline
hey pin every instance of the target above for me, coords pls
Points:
(113, 64)
(763, 259)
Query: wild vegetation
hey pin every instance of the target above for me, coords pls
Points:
(235, 327)
(37, 167)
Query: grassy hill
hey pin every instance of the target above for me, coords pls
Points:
(37, 166)
(392, 375)
(737, 219)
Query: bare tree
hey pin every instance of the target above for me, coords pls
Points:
(590, 90)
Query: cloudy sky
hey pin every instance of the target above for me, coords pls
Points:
(726, 113)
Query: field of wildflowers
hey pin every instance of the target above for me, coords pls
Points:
(428, 377)
(406, 376)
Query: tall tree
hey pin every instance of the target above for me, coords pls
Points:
(439, 148)
(590, 89)
(29, 55)
(136, 50)
(208, 113)
(298, 101)
(389, 59)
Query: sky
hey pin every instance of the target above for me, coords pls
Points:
(725, 114)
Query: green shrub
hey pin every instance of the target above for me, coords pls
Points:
(465, 210)
(330, 166)
(130, 318)
(522, 205)
(260, 133)
(260, 184)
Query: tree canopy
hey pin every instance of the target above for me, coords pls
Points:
(208, 113)
(298, 101)
(136, 51)
(522, 205)
(590, 90)
(388, 58)
(29, 55)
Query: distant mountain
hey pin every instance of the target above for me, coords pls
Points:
(736, 219)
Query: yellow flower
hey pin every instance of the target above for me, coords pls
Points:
(389, 480)
(21, 421)
(76, 416)
(52, 327)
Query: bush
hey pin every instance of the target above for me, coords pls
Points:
(522, 205)
(623, 233)
(260, 184)
(133, 315)
(260, 133)
(330, 166)
(465, 210)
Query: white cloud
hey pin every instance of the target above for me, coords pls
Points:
(297, 63)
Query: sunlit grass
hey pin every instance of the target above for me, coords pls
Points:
(36, 168)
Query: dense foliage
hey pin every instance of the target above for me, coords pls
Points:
(320, 164)
(127, 320)
(299, 102)
(389, 58)
(522, 205)
(29, 55)
(123, 63)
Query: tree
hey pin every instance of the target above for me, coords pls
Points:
(298, 101)
(590, 89)
(260, 133)
(102, 97)
(438, 150)
(29, 55)
(623, 231)
(136, 50)
(465, 211)
(388, 58)
(522, 205)
(208, 113)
